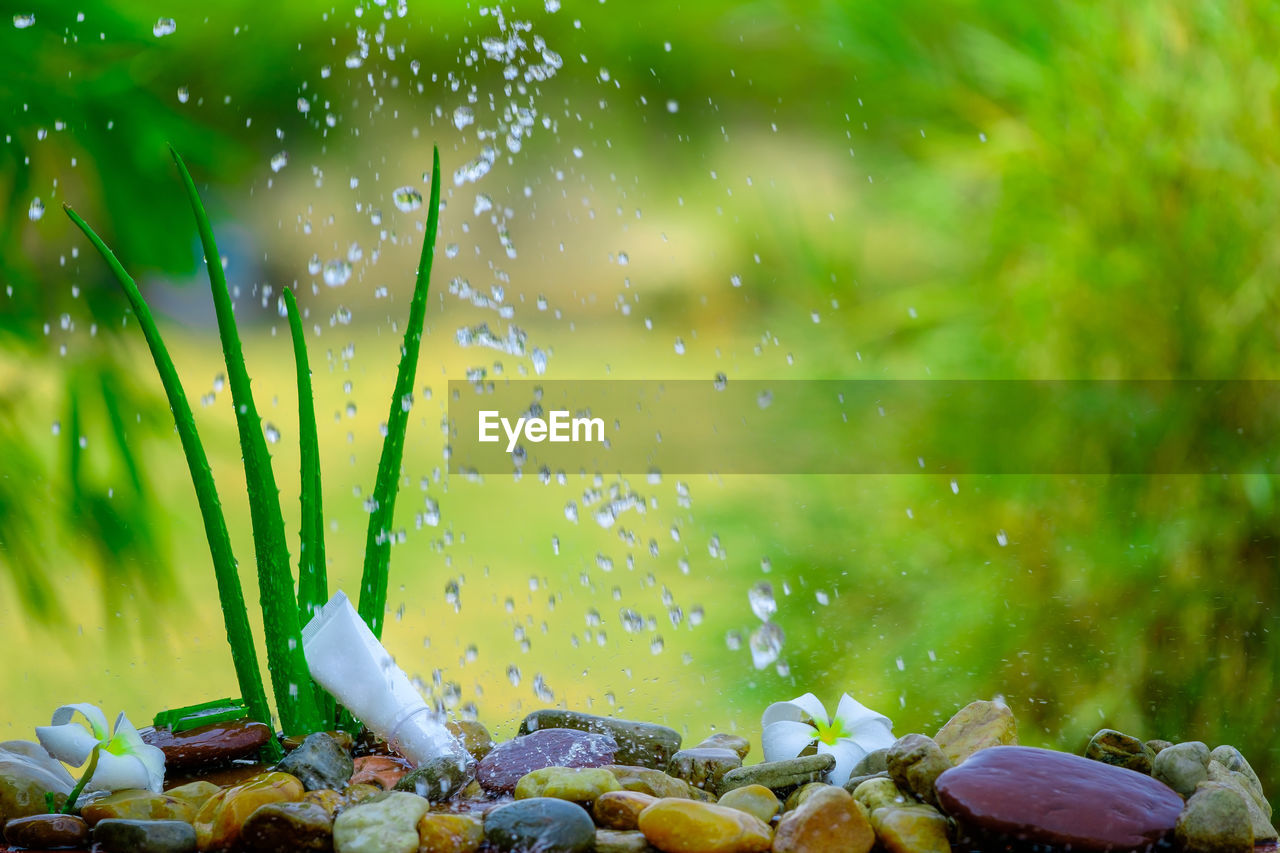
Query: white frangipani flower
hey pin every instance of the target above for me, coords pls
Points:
(124, 761)
(789, 728)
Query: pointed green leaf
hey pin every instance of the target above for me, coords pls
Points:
(377, 549)
(313, 584)
(295, 692)
(230, 595)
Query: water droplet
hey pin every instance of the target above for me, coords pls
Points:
(766, 644)
(673, 105)
(354, 59)
(279, 161)
(184, 94)
(336, 273)
(36, 210)
(463, 116)
(571, 511)
(406, 199)
(314, 264)
(272, 434)
(164, 27)
(721, 382)
(513, 675)
(552, 5)
(219, 382)
(23, 21)
(1002, 538)
(735, 280)
(762, 601)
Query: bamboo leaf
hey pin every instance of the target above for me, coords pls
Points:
(313, 584)
(230, 595)
(377, 550)
(290, 678)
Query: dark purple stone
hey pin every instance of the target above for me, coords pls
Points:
(208, 746)
(502, 768)
(1024, 795)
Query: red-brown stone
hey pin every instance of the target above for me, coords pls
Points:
(208, 746)
(1040, 797)
(502, 768)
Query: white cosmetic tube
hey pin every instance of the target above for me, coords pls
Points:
(348, 661)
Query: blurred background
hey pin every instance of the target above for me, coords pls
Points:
(951, 189)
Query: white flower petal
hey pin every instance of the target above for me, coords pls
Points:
(92, 713)
(854, 714)
(152, 758)
(22, 758)
(117, 772)
(797, 710)
(786, 739)
(70, 742)
(125, 736)
(847, 754)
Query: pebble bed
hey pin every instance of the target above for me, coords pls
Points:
(577, 783)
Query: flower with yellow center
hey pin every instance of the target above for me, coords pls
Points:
(791, 728)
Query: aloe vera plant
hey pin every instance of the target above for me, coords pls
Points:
(302, 706)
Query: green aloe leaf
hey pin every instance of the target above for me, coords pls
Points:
(294, 690)
(313, 583)
(230, 595)
(377, 550)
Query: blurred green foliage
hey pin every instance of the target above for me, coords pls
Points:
(1021, 190)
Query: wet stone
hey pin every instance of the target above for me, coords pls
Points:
(756, 800)
(977, 726)
(330, 801)
(617, 841)
(319, 762)
(620, 809)
(640, 744)
(219, 820)
(649, 781)
(288, 826)
(880, 792)
(854, 781)
(915, 762)
(797, 797)
(780, 775)
(114, 835)
(1121, 750)
(502, 768)
(1056, 799)
(214, 744)
(385, 771)
(46, 831)
(475, 738)
(685, 826)
(703, 767)
(875, 761)
(1259, 820)
(450, 833)
(724, 740)
(541, 823)
(914, 828)
(1230, 758)
(575, 784)
(1182, 766)
(388, 824)
(139, 804)
(438, 779)
(828, 820)
(194, 793)
(26, 773)
(1216, 820)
